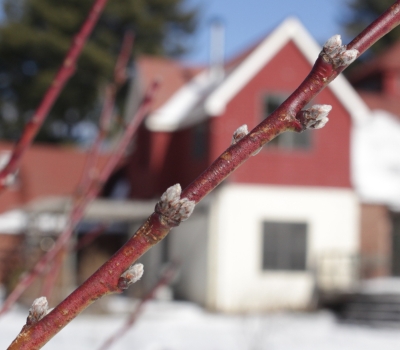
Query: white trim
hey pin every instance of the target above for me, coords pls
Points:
(173, 114)
(12, 222)
(290, 29)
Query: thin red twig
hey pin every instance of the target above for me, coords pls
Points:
(65, 72)
(88, 176)
(120, 77)
(168, 214)
(120, 72)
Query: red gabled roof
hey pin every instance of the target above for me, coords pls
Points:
(45, 171)
(175, 75)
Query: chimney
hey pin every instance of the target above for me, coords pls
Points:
(217, 46)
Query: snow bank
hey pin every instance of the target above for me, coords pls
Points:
(182, 326)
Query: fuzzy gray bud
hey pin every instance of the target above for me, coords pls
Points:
(337, 53)
(174, 208)
(239, 133)
(130, 276)
(37, 311)
(316, 116)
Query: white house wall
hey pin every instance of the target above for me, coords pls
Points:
(236, 279)
(188, 244)
(376, 160)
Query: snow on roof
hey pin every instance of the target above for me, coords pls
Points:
(180, 110)
(12, 222)
(205, 96)
(376, 159)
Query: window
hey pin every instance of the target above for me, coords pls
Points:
(288, 140)
(284, 246)
(200, 141)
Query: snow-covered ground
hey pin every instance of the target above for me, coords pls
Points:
(183, 326)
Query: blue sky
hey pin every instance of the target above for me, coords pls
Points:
(247, 21)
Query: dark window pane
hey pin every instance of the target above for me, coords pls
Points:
(272, 102)
(284, 246)
(199, 141)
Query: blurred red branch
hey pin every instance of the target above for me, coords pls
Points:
(79, 207)
(89, 175)
(64, 73)
(120, 77)
(176, 206)
(90, 170)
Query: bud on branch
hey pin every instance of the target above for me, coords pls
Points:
(131, 276)
(337, 54)
(314, 117)
(37, 311)
(173, 208)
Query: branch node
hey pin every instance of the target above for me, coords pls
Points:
(130, 276)
(241, 132)
(38, 310)
(174, 208)
(314, 117)
(336, 53)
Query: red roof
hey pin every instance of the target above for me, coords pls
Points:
(174, 74)
(45, 171)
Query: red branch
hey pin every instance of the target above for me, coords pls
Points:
(120, 74)
(168, 214)
(120, 77)
(65, 72)
(82, 196)
(166, 278)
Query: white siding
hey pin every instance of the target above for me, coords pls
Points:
(188, 245)
(236, 279)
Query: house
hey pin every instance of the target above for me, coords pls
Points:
(307, 216)
(287, 223)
